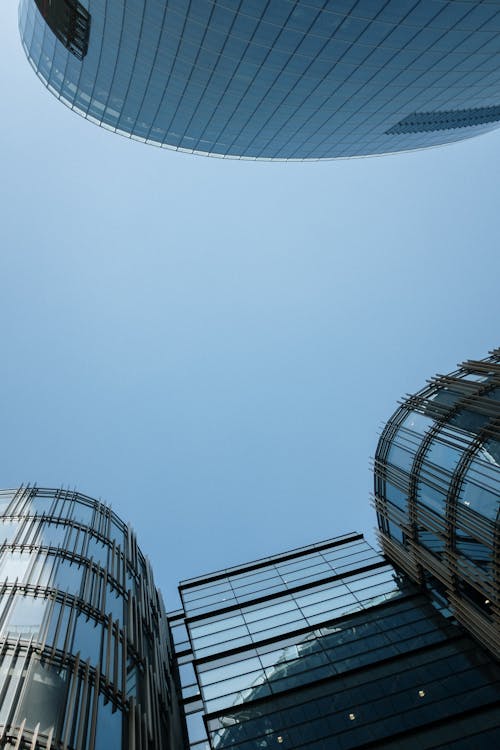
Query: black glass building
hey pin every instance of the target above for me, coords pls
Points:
(325, 648)
(273, 79)
(85, 655)
(437, 493)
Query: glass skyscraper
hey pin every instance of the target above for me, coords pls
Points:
(325, 648)
(273, 79)
(85, 655)
(437, 493)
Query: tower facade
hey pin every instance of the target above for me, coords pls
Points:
(85, 656)
(437, 493)
(273, 79)
(328, 647)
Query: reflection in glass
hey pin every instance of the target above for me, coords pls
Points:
(26, 618)
(14, 565)
(44, 698)
(109, 726)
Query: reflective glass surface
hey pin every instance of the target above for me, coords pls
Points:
(329, 663)
(437, 490)
(85, 639)
(274, 79)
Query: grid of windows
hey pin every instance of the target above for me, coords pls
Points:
(371, 660)
(397, 697)
(84, 644)
(437, 491)
(276, 79)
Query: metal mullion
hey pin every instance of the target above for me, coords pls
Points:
(82, 724)
(132, 725)
(123, 637)
(35, 737)
(70, 630)
(20, 734)
(107, 644)
(50, 614)
(95, 703)
(71, 702)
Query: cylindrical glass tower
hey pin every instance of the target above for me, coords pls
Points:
(437, 493)
(84, 645)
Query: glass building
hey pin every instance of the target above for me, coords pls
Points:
(85, 655)
(328, 648)
(273, 79)
(437, 493)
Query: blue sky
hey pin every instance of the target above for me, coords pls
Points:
(213, 346)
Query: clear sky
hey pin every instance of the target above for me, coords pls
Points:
(213, 346)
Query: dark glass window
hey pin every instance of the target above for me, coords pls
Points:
(69, 21)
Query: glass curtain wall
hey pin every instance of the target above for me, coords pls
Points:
(326, 647)
(437, 492)
(273, 79)
(85, 656)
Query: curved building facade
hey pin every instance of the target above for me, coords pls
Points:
(273, 79)
(85, 657)
(437, 493)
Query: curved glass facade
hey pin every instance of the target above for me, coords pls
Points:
(437, 492)
(273, 79)
(85, 657)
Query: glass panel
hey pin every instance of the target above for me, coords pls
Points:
(400, 457)
(431, 497)
(5, 500)
(229, 670)
(116, 534)
(14, 565)
(196, 727)
(234, 684)
(472, 549)
(82, 513)
(478, 499)
(25, 618)
(417, 422)
(98, 551)
(442, 455)
(396, 496)
(469, 420)
(187, 675)
(114, 604)
(87, 639)
(8, 530)
(44, 698)
(52, 534)
(68, 576)
(39, 505)
(431, 541)
(179, 634)
(10, 674)
(492, 450)
(395, 532)
(109, 726)
(481, 488)
(442, 401)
